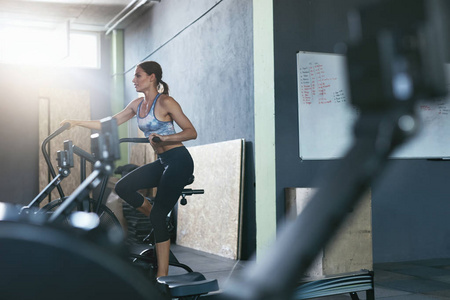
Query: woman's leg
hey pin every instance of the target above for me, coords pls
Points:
(166, 198)
(177, 171)
(162, 258)
(145, 208)
(144, 177)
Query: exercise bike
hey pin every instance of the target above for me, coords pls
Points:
(60, 211)
(142, 235)
(65, 160)
(42, 259)
(190, 285)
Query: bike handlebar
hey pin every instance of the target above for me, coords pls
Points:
(57, 132)
(80, 152)
(139, 140)
(133, 140)
(52, 136)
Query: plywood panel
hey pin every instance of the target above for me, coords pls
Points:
(212, 222)
(141, 153)
(138, 154)
(353, 243)
(56, 105)
(44, 131)
(350, 249)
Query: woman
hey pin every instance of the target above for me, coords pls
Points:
(155, 114)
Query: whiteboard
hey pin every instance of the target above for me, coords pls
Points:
(326, 116)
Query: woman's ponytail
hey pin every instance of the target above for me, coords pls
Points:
(163, 87)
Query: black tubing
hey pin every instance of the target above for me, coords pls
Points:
(133, 140)
(84, 154)
(139, 140)
(189, 192)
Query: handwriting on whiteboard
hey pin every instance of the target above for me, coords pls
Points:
(317, 86)
(326, 115)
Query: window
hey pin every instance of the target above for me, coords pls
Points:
(84, 50)
(49, 47)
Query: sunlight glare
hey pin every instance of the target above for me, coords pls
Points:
(22, 45)
(48, 47)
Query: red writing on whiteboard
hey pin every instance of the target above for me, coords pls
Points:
(316, 85)
(425, 107)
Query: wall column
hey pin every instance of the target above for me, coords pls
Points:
(264, 89)
(118, 88)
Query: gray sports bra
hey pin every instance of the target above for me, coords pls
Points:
(150, 124)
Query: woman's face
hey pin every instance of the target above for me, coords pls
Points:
(142, 81)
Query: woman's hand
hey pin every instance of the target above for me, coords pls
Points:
(90, 124)
(155, 139)
(72, 123)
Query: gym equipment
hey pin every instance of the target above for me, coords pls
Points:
(146, 247)
(41, 259)
(82, 260)
(46, 262)
(106, 150)
(138, 218)
(186, 286)
(189, 286)
(65, 161)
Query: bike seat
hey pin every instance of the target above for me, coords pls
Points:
(189, 284)
(191, 179)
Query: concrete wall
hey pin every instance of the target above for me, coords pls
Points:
(20, 149)
(410, 203)
(205, 50)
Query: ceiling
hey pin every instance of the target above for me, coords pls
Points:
(92, 15)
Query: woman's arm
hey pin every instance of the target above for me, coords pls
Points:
(174, 110)
(91, 124)
(128, 112)
(121, 117)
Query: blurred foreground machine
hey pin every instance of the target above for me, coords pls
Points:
(395, 59)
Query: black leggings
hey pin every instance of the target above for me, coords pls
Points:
(170, 174)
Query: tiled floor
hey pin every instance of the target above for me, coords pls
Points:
(426, 279)
(415, 280)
